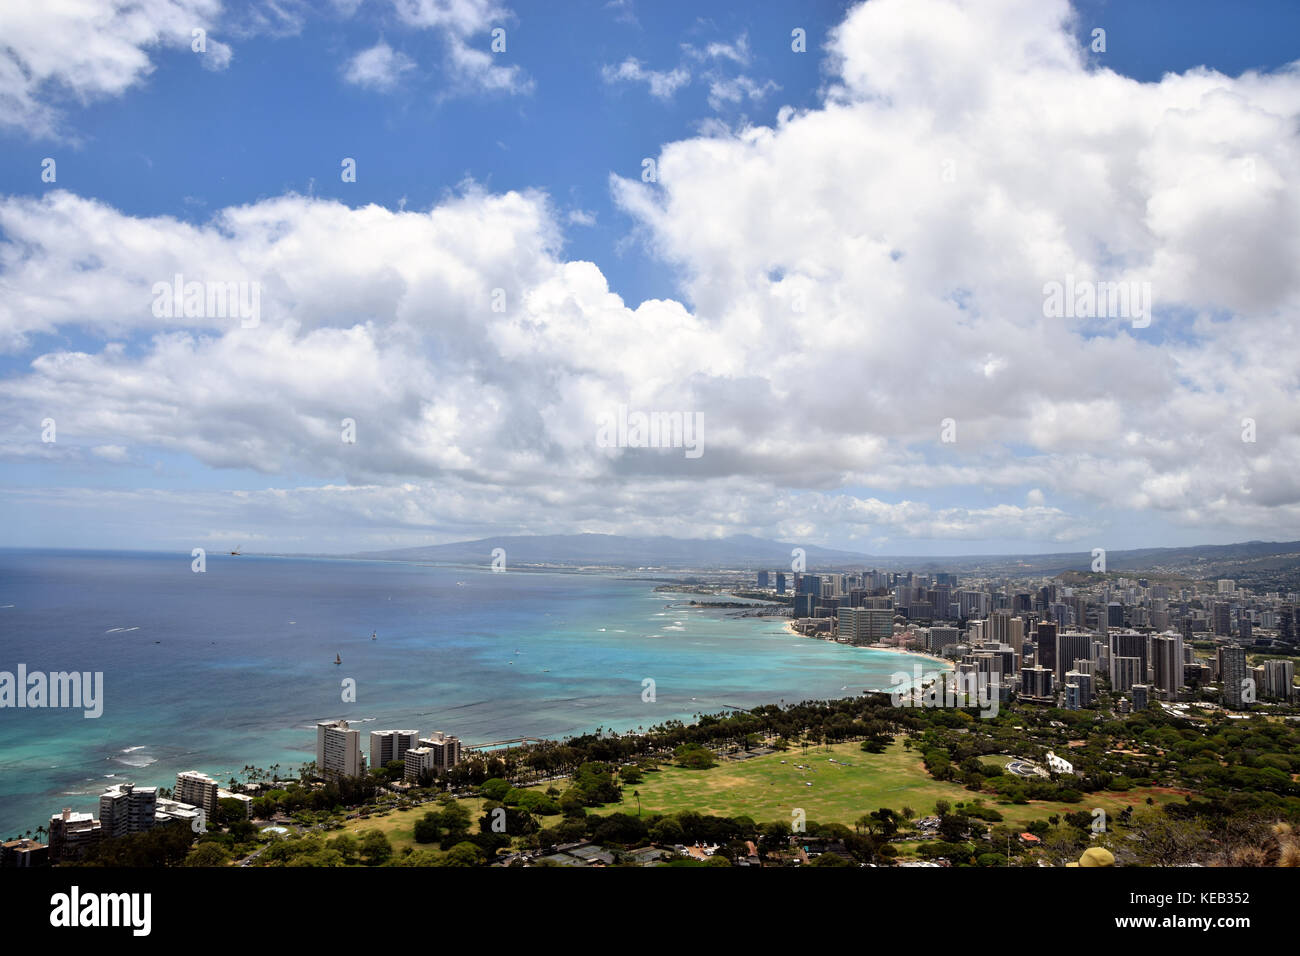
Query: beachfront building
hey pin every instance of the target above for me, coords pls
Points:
(338, 749)
(419, 761)
(23, 854)
(389, 745)
(198, 790)
(71, 834)
(174, 811)
(865, 625)
(127, 809)
(446, 750)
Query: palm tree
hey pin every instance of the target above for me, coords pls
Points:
(637, 794)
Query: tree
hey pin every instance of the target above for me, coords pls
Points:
(375, 848)
(207, 854)
(428, 829)
(463, 854)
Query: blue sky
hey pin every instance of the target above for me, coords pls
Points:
(582, 94)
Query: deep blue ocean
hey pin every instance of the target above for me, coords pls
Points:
(234, 666)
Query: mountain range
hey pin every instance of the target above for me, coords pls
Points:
(1247, 560)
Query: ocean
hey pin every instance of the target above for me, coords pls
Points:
(231, 667)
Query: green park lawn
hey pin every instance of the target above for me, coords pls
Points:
(399, 825)
(767, 789)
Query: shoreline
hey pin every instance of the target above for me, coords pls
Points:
(789, 629)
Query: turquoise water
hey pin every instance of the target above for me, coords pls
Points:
(234, 666)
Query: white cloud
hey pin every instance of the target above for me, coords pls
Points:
(855, 274)
(727, 91)
(471, 67)
(737, 51)
(378, 68)
(61, 52)
(662, 84)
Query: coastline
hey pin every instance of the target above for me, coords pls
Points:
(789, 628)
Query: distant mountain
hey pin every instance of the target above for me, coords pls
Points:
(611, 550)
(1260, 562)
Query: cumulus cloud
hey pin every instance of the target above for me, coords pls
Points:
(62, 52)
(850, 277)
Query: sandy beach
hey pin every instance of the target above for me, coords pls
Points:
(789, 626)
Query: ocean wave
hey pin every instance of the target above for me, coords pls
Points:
(116, 630)
(137, 761)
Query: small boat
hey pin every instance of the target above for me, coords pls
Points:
(338, 659)
(374, 636)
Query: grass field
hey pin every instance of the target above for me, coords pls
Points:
(399, 825)
(767, 789)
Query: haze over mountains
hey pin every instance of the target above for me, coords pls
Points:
(749, 552)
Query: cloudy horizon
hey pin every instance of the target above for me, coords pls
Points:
(864, 271)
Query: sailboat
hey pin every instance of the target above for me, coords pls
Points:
(338, 659)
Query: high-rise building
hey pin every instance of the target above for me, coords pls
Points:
(1222, 619)
(1141, 694)
(1130, 644)
(1045, 643)
(338, 749)
(419, 761)
(865, 625)
(389, 745)
(1125, 672)
(1069, 648)
(446, 750)
(198, 790)
(1036, 684)
(1232, 675)
(1167, 664)
(1085, 684)
(940, 637)
(997, 625)
(780, 582)
(126, 809)
(1073, 697)
(1279, 680)
(762, 579)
